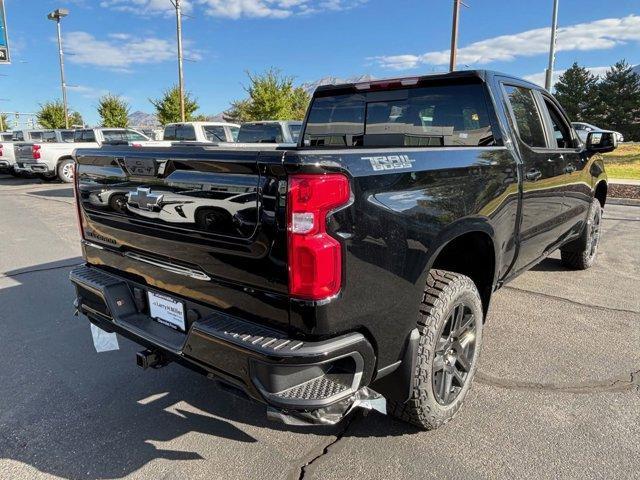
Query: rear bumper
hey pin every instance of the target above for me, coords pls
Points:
(32, 167)
(291, 375)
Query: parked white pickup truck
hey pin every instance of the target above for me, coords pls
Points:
(52, 157)
(198, 132)
(7, 147)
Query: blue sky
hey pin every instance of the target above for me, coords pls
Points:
(127, 46)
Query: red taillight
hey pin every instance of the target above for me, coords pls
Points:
(1, 152)
(315, 257)
(35, 151)
(76, 193)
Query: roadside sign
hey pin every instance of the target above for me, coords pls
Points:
(4, 41)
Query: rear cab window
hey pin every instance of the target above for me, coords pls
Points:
(180, 133)
(434, 115)
(18, 137)
(261, 133)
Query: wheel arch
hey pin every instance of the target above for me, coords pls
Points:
(600, 192)
(470, 249)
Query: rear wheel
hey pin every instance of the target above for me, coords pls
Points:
(582, 253)
(450, 324)
(65, 170)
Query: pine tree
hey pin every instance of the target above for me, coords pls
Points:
(576, 92)
(113, 111)
(619, 97)
(168, 106)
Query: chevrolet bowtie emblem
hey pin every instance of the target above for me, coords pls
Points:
(144, 199)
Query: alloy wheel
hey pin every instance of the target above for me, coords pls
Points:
(454, 355)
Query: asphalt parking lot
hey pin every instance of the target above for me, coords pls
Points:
(557, 394)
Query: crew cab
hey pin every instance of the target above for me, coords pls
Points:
(195, 132)
(51, 156)
(358, 265)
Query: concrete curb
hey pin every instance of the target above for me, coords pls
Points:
(623, 201)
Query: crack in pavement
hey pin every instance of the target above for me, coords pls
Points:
(629, 382)
(573, 302)
(314, 455)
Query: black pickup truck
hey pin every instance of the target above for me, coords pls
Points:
(360, 262)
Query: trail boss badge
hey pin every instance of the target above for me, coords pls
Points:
(390, 162)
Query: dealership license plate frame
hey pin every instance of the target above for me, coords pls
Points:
(160, 311)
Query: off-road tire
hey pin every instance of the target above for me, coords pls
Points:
(581, 253)
(65, 170)
(444, 291)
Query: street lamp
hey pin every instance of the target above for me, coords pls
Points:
(548, 81)
(178, 7)
(56, 16)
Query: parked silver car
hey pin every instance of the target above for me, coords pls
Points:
(583, 129)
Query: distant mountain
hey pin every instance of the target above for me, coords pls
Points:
(637, 69)
(310, 87)
(141, 119)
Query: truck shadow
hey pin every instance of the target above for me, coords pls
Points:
(55, 193)
(67, 411)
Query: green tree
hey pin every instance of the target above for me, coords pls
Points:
(168, 106)
(5, 123)
(51, 115)
(113, 111)
(272, 96)
(619, 99)
(576, 92)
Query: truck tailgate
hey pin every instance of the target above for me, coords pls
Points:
(185, 220)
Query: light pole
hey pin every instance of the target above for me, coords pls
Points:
(56, 16)
(552, 49)
(454, 33)
(176, 4)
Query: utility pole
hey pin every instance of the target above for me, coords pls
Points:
(454, 33)
(552, 49)
(176, 4)
(56, 16)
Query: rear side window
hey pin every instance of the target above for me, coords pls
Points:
(88, 136)
(36, 136)
(215, 133)
(527, 116)
(432, 116)
(67, 136)
(18, 137)
(261, 133)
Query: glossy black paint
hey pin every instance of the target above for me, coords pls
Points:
(391, 233)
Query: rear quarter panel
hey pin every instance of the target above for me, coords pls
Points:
(399, 219)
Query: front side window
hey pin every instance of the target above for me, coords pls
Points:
(214, 133)
(561, 129)
(527, 116)
(430, 116)
(133, 136)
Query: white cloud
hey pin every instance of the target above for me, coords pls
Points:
(121, 51)
(88, 92)
(146, 7)
(234, 9)
(596, 35)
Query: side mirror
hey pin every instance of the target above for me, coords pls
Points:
(602, 142)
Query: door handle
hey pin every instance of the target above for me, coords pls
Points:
(533, 175)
